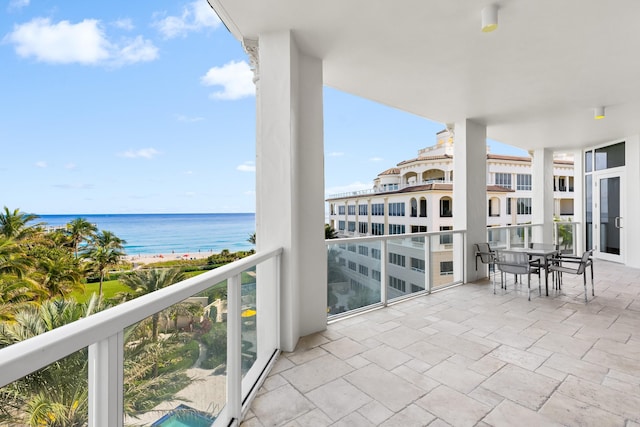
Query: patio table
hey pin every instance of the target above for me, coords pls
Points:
(544, 254)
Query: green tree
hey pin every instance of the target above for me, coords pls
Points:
(16, 225)
(79, 229)
(13, 260)
(143, 282)
(59, 272)
(252, 238)
(330, 232)
(104, 250)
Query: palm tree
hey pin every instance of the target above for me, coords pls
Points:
(80, 229)
(12, 258)
(59, 272)
(15, 225)
(104, 250)
(252, 238)
(143, 282)
(330, 232)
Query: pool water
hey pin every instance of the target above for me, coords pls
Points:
(184, 416)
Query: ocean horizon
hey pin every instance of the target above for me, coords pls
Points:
(152, 234)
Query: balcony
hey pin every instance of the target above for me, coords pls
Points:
(464, 356)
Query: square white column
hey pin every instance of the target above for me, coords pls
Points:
(542, 195)
(470, 190)
(290, 181)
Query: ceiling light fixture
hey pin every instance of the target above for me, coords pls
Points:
(490, 18)
(598, 113)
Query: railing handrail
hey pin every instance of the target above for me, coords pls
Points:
(24, 357)
(391, 236)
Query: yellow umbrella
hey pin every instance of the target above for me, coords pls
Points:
(248, 313)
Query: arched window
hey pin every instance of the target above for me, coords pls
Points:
(494, 206)
(446, 207)
(414, 208)
(423, 207)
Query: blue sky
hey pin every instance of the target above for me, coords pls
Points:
(145, 107)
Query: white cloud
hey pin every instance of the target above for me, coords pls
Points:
(124, 24)
(250, 193)
(147, 153)
(70, 166)
(188, 172)
(247, 167)
(41, 164)
(196, 16)
(83, 43)
(335, 154)
(236, 78)
(74, 186)
(18, 4)
(349, 188)
(190, 193)
(376, 159)
(187, 119)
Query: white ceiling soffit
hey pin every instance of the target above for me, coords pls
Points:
(534, 81)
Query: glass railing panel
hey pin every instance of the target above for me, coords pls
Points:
(441, 253)
(406, 266)
(249, 319)
(498, 237)
(565, 236)
(56, 395)
(354, 275)
(175, 363)
(517, 236)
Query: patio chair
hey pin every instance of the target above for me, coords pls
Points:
(517, 263)
(486, 255)
(574, 265)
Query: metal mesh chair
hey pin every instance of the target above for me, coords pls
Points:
(518, 263)
(574, 265)
(486, 255)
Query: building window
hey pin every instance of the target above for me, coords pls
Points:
(362, 209)
(414, 208)
(355, 285)
(446, 268)
(363, 227)
(351, 248)
(396, 229)
(377, 229)
(445, 207)
(333, 211)
(423, 207)
(364, 270)
(351, 209)
(375, 253)
(417, 264)
(398, 284)
(352, 226)
(524, 181)
(397, 259)
(524, 206)
(494, 206)
(341, 210)
(446, 239)
(363, 250)
(418, 228)
(503, 180)
(342, 261)
(341, 225)
(352, 266)
(508, 205)
(377, 209)
(375, 275)
(396, 209)
(416, 288)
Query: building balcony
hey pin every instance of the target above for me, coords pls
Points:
(464, 356)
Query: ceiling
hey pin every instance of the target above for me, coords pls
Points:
(534, 81)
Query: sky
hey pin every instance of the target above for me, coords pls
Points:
(149, 107)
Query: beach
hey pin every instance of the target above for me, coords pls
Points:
(148, 259)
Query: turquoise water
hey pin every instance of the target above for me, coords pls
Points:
(184, 416)
(148, 234)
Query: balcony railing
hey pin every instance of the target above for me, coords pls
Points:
(104, 341)
(519, 236)
(385, 269)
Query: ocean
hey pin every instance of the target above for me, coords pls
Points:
(151, 234)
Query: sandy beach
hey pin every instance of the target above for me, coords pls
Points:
(148, 259)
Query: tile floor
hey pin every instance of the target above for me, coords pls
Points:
(467, 357)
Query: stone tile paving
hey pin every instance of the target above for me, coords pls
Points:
(467, 357)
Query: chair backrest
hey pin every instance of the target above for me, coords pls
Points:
(584, 261)
(514, 262)
(483, 250)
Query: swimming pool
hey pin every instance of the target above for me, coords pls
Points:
(184, 416)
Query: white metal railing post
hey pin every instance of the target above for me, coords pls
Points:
(428, 276)
(526, 230)
(106, 382)
(383, 271)
(234, 349)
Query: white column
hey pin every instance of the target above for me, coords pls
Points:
(542, 195)
(630, 203)
(578, 200)
(470, 189)
(290, 181)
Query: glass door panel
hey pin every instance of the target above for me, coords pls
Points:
(610, 215)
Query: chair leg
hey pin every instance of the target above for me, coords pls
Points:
(529, 286)
(584, 279)
(592, 290)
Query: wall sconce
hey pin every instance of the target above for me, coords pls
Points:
(489, 18)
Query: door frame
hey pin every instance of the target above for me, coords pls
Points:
(597, 176)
